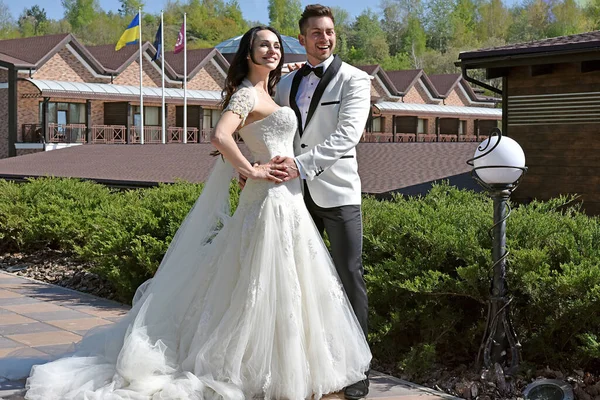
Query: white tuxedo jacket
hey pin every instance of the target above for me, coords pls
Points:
(326, 146)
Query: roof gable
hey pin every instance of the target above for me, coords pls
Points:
(32, 50)
(444, 83)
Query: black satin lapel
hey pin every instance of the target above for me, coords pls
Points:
(327, 77)
(292, 101)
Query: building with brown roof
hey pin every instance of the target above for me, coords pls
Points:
(551, 100)
(411, 106)
(56, 92)
(53, 89)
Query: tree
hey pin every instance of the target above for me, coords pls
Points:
(463, 23)
(130, 7)
(494, 20)
(80, 13)
(284, 16)
(568, 19)
(6, 21)
(437, 24)
(367, 40)
(342, 29)
(31, 20)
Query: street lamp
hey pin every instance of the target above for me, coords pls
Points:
(498, 165)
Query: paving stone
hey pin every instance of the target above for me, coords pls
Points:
(65, 313)
(32, 327)
(8, 344)
(45, 338)
(83, 324)
(11, 318)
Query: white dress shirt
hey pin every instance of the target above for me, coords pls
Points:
(306, 90)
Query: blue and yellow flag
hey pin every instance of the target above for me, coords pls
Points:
(131, 34)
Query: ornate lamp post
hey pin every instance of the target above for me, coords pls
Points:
(498, 165)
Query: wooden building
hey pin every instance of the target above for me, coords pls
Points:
(551, 107)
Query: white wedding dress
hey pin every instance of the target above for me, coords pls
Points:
(241, 307)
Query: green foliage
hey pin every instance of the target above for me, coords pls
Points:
(428, 265)
(427, 262)
(284, 16)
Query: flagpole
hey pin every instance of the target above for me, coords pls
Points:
(184, 77)
(141, 86)
(162, 67)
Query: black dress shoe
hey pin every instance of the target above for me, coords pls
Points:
(357, 390)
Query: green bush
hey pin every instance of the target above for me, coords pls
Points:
(428, 263)
(427, 259)
(50, 212)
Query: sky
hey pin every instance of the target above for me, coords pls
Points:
(253, 10)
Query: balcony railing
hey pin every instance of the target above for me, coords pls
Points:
(108, 134)
(66, 133)
(385, 137)
(175, 135)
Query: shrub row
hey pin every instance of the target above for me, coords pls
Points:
(427, 262)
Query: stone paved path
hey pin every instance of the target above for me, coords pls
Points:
(42, 320)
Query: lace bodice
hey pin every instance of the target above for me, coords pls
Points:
(269, 137)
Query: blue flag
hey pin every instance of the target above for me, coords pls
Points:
(158, 43)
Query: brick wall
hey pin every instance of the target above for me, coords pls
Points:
(416, 95)
(97, 112)
(377, 89)
(64, 66)
(3, 123)
(3, 75)
(171, 116)
(455, 98)
(131, 75)
(208, 78)
(27, 108)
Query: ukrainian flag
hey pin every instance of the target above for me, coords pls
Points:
(131, 34)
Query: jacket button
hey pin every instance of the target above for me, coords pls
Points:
(303, 145)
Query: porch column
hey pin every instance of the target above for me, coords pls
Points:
(200, 123)
(128, 124)
(477, 129)
(88, 121)
(12, 111)
(166, 123)
(437, 129)
(45, 134)
(393, 128)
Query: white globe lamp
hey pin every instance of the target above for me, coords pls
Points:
(499, 163)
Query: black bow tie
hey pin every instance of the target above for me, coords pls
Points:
(307, 69)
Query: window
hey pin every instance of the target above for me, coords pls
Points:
(64, 113)
(462, 128)
(210, 118)
(151, 116)
(378, 124)
(422, 126)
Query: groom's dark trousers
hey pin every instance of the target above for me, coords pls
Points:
(343, 225)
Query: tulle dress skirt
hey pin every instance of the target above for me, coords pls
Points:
(251, 307)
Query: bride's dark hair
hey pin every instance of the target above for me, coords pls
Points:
(239, 69)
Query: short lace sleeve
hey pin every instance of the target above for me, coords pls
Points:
(242, 103)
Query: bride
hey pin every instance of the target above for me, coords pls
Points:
(242, 306)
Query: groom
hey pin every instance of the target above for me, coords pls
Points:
(332, 102)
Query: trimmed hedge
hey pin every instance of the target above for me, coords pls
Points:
(427, 259)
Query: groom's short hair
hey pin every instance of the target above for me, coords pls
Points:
(314, 10)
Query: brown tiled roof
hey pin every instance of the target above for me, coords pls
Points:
(582, 41)
(383, 167)
(111, 59)
(31, 49)
(444, 83)
(369, 69)
(194, 58)
(403, 80)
